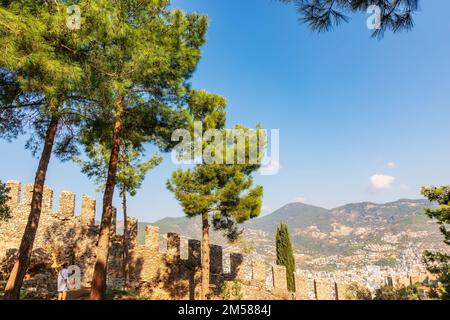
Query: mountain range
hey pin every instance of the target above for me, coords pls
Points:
(378, 233)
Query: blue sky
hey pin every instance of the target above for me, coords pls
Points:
(349, 108)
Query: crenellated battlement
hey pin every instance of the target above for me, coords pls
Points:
(66, 206)
(64, 236)
(255, 275)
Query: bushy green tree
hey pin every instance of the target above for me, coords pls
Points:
(285, 254)
(358, 292)
(438, 263)
(388, 292)
(232, 290)
(323, 15)
(5, 211)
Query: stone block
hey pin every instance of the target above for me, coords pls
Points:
(47, 199)
(324, 290)
(216, 259)
(194, 252)
(173, 247)
(279, 277)
(301, 286)
(66, 208)
(259, 271)
(237, 265)
(27, 193)
(152, 238)
(14, 193)
(88, 210)
(132, 225)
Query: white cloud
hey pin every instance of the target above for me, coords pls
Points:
(379, 181)
(269, 167)
(392, 164)
(404, 187)
(266, 209)
(300, 199)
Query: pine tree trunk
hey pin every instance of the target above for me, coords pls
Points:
(205, 257)
(12, 290)
(125, 240)
(98, 288)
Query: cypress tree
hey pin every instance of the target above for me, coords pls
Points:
(285, 254)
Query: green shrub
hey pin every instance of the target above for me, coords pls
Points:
(232, 290)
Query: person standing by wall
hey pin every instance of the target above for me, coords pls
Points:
(63, 279)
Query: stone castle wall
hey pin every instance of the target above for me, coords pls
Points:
(61, 237)
(64, 236)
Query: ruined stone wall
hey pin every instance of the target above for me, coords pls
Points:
(63, 236)
(165, 275)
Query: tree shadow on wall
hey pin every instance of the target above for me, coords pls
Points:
(40, 278)
(74, 244)
(173, 280)
(181, 279)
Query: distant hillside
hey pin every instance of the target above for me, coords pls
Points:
(294, 215)
(360, 214)
(190, 228)
(300, 216)
(352, 229)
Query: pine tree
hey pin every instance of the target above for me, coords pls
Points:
(221, 193)
(131, 172)
(38, 78)
(439, 263)
(140, 56)
(285, 254)
(323, 15)
(5, 212)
